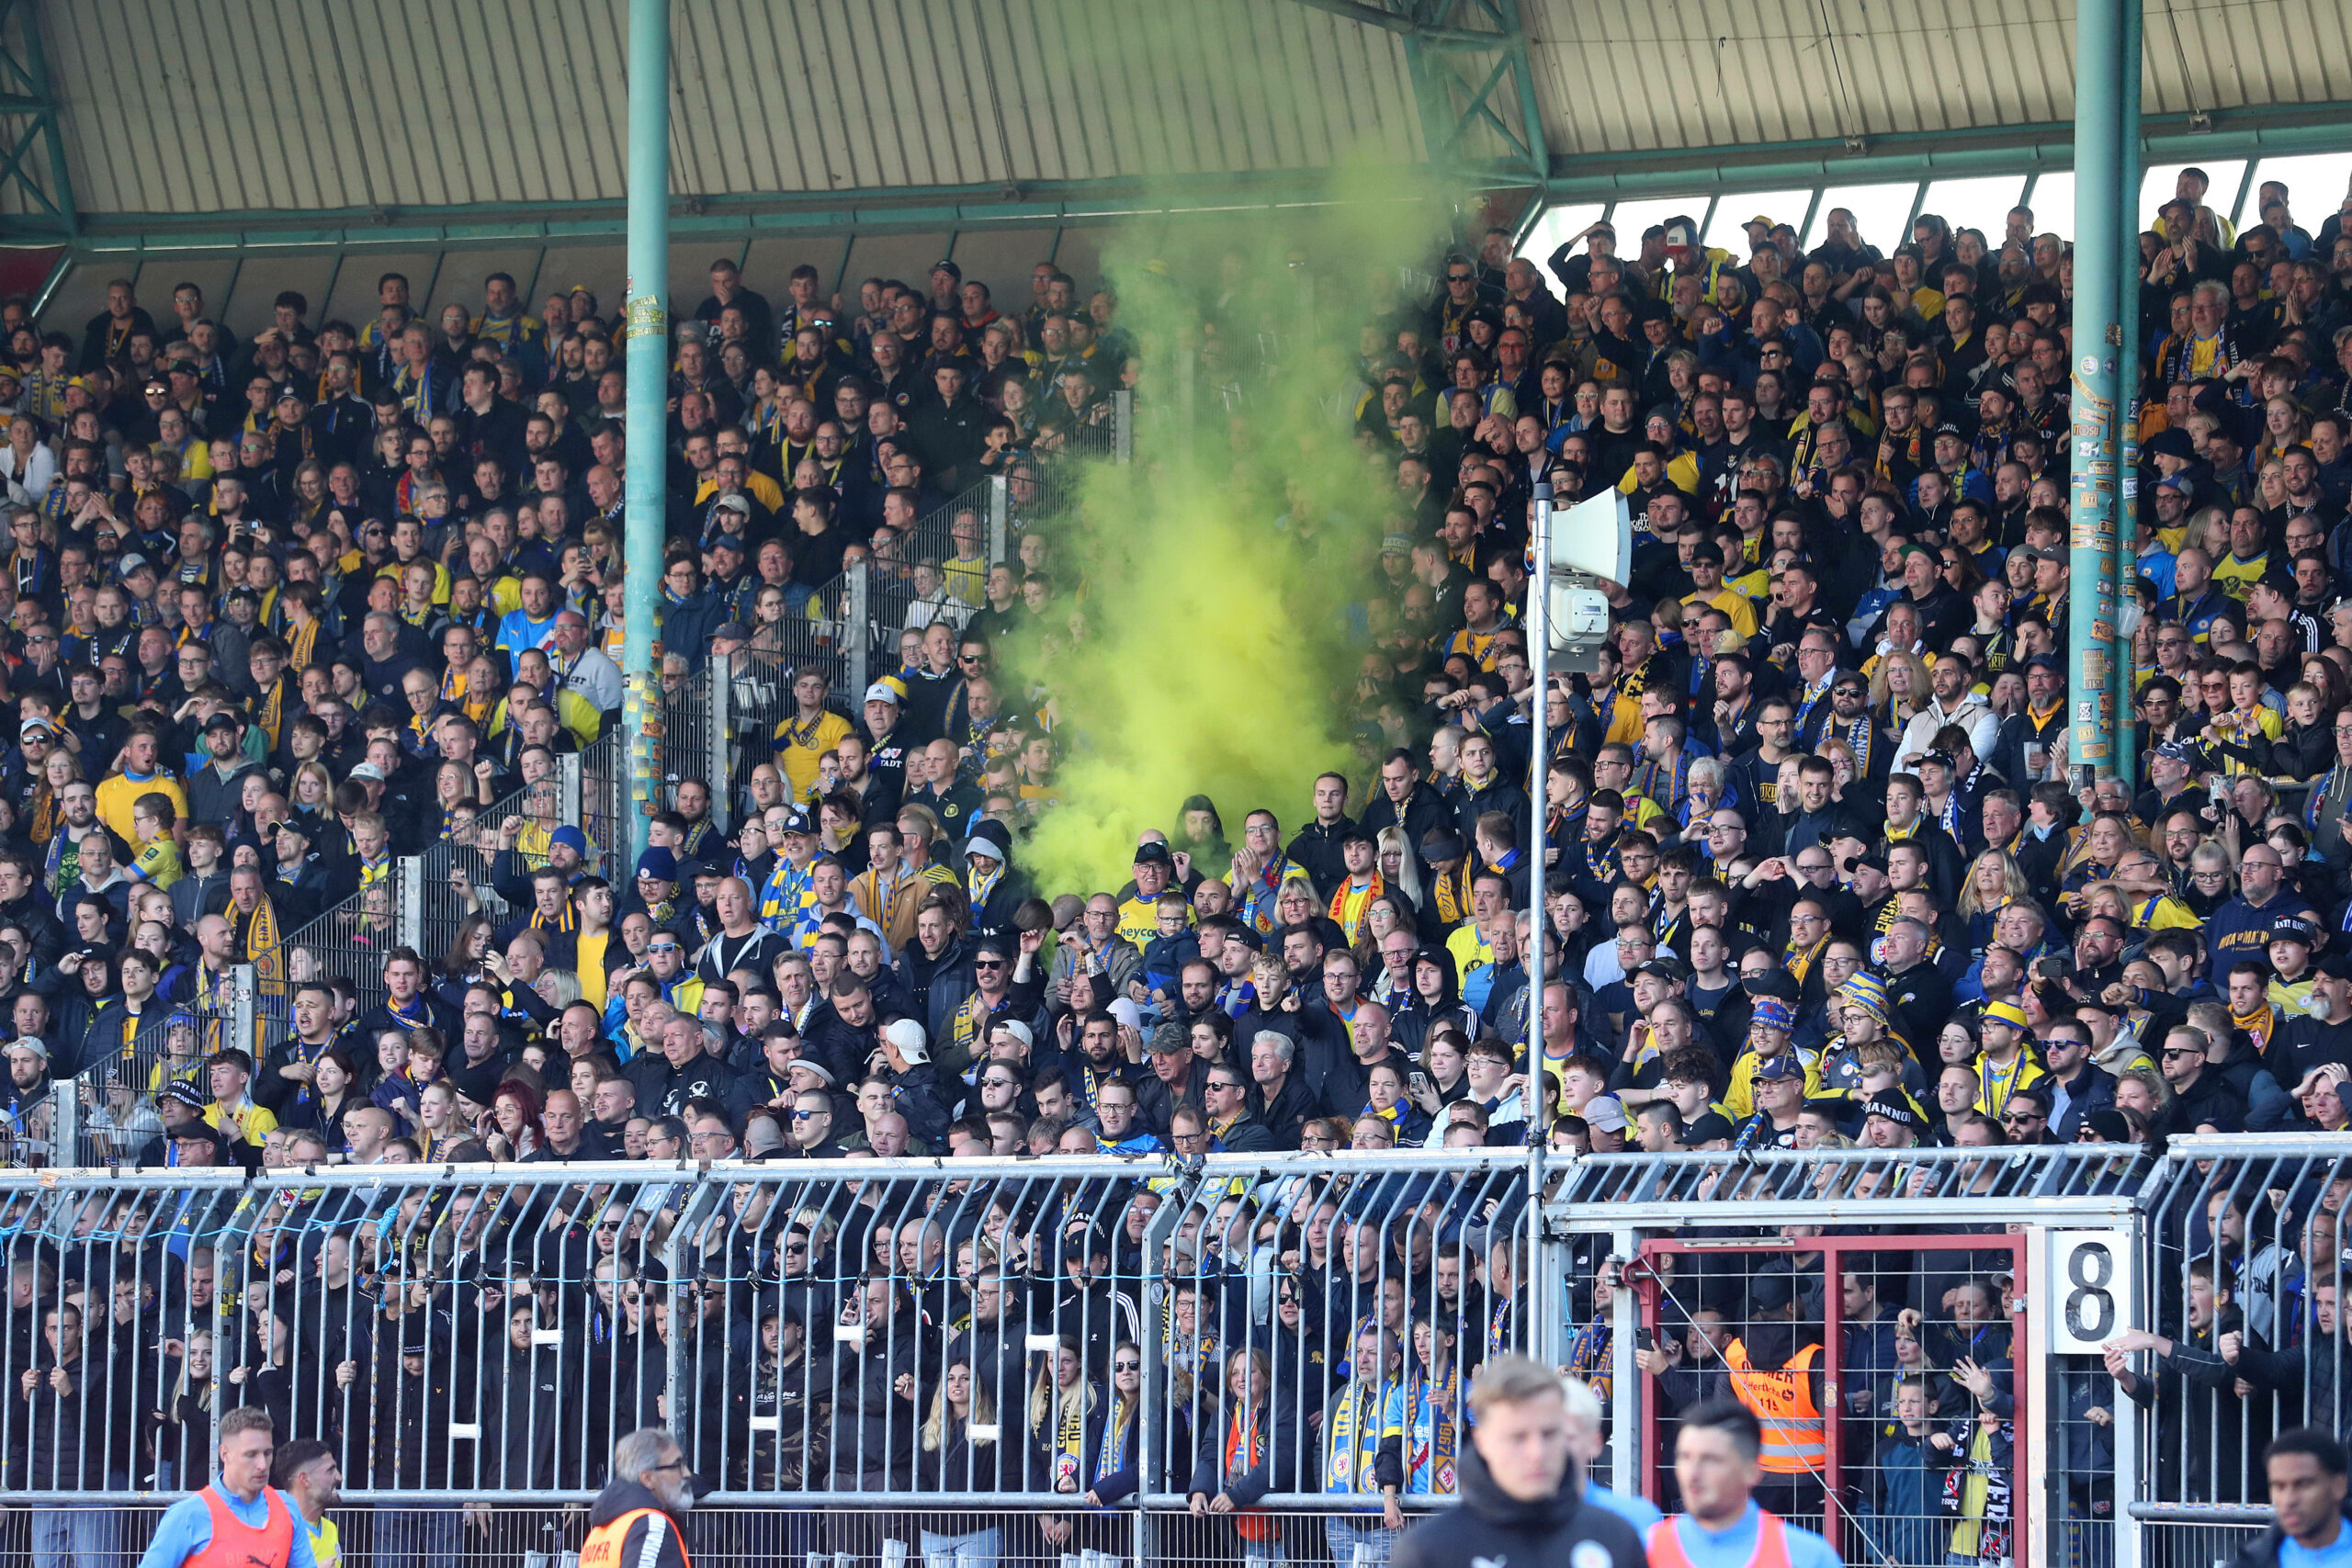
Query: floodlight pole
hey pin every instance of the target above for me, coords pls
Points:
(2098, 341)
(646, 330)
(2127, 371)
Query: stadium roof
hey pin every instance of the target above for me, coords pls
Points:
(164, 130)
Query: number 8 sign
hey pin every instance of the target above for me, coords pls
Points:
(2089, 1295)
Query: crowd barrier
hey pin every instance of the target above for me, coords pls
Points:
(811, 1329)
(854, 1353)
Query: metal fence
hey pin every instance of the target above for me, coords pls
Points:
(1913, 1296)
(981, 1333)
(108, 1115)
(855, 1352)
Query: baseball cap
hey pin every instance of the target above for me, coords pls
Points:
(796, 821)
(1153, 854)
(907, 1036)
(883, 691)
(2291, 928)
(1168, 1040)
(1707, 1127)
(32, 1042)
(1779, 1069)
(368, 773)
(1606, 1112)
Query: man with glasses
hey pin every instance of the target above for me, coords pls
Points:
(2075, 1085)
(2330, 797)
(638, 1520)
(1225, 1094)
(2241, 929)
(1449, 316)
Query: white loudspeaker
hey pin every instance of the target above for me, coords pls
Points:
(1579, 619)
(1595, 537)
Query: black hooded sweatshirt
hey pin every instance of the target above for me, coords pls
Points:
(1495, 1526)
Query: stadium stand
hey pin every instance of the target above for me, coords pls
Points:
(354, 1073)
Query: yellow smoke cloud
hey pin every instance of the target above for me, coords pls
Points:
(1211, 649)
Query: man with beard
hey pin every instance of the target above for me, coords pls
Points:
(640, 1518)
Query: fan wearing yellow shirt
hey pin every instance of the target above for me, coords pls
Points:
(1707, 587)
(813, 730)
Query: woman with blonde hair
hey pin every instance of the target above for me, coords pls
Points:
(1899, 689)
(1994, 882)
(960, 1454)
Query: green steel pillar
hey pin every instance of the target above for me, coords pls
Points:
(646, 334)
(2127, 367)
(2098, 244)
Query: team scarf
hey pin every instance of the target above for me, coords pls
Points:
(1348, 903)
(1432, 1438)
(1998, 1082)
(1353, 1437)
(1245, 1450)
(1110, 1454)
(2259, 1023)
(1862, 736)
(1069, 1437)
(981, 884)
(1800, 964)
(1499, 1337)
(1452, 891)
(1588, 1356)
(260, 940)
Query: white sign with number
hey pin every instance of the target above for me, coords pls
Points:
(2088, 1289)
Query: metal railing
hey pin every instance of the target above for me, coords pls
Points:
(483, 1333)
(108, 1115)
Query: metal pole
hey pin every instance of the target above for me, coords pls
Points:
(1536, 616)
(1000, 519)
(721, 735)
(408, 888)
(647, 332)
(2127, 380)
(2099, 220)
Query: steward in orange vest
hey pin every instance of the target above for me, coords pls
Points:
(636, 1521)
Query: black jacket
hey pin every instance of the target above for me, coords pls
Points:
(1492, 1526)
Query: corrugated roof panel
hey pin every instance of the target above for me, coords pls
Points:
(284, 105)
(1627, 75)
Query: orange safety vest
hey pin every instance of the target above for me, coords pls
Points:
(236, 1544)
(1795, 1441)
(1772, 1544)
(602, 1547)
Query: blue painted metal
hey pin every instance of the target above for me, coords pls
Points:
(646, 328)
(1997, 149)
(902, 210)
(2127, 366)
(25, 95)
(2100, 198)
(1460, 55)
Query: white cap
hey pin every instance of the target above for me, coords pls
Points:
(879, 693)
(907, 1036)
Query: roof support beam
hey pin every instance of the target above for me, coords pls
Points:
(1943, 154)
(1473, 80)
(37, 187)
(1051, 205)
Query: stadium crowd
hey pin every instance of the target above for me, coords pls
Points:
(290, 604)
